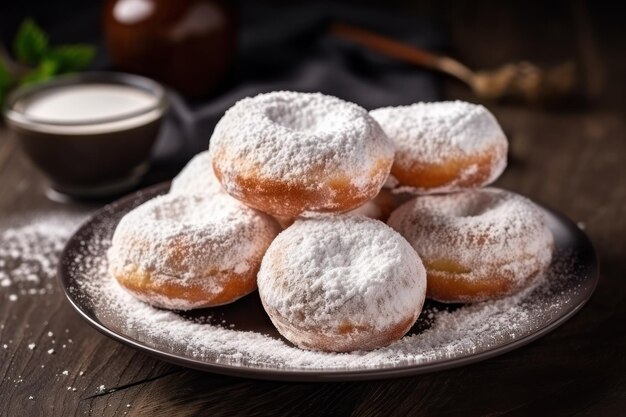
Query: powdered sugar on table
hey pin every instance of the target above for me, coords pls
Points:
(29, 252)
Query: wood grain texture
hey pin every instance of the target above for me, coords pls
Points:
(573, 159)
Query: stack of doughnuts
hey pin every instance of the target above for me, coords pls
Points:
(292, 196)
(477, 243)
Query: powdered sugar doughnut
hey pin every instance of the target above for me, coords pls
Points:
(476, 245)
(341, 283)
(444, 146)
(288, 153)
(190, 251)
(197, 177)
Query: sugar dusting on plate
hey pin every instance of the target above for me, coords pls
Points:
(442, 332)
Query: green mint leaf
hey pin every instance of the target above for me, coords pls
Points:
(45, 70)
(30, 44)
(72, 58)
(6, 81)
(5, 76)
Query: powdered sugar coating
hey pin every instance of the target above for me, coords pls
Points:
(190, 240)
(304, 142)
(479, 230)
(324, 275)
(432, 134)
(197, 177)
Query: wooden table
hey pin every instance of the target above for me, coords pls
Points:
(573, 159)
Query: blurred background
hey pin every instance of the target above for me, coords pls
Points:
(550, 71)
(210, 53)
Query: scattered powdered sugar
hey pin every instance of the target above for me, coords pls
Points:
(477, 229)
(29, 251)
(441, 333)
(197, 177)
(288, 136)
(324, 273)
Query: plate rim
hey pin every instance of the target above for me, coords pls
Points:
(312, 375)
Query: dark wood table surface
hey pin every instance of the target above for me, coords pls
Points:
(570, 157)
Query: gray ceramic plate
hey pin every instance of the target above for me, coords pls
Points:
(559, 297)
